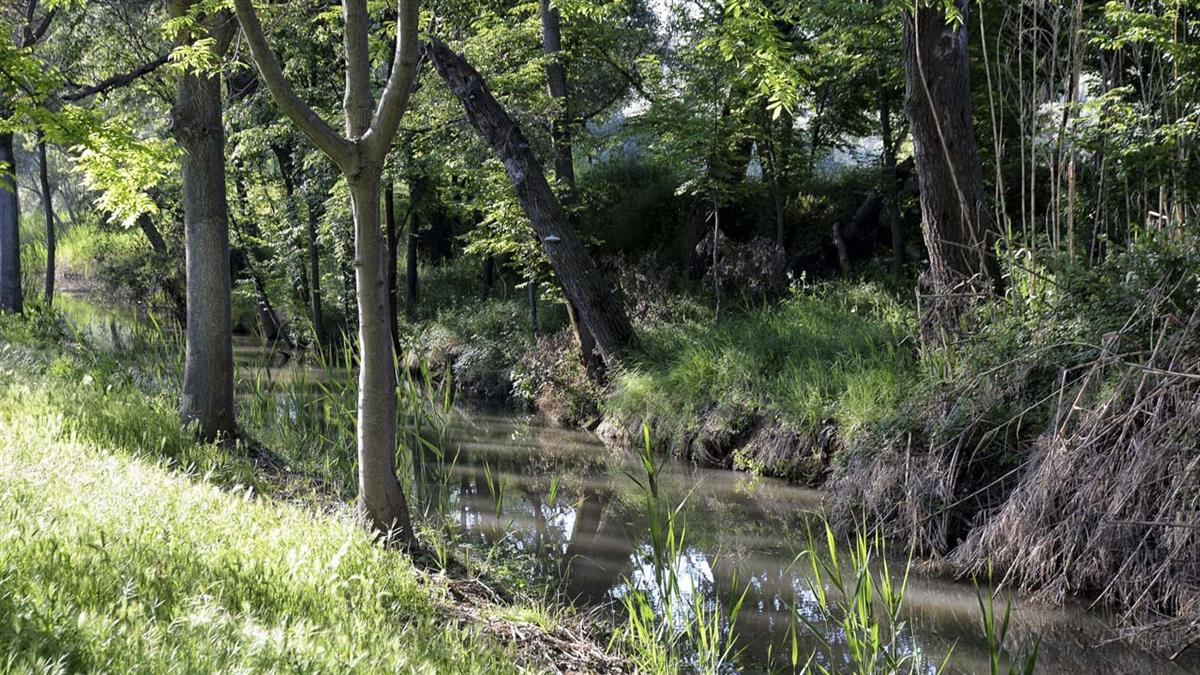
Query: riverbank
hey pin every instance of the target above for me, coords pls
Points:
(129, 546)
(777, 389)
(1051, 440)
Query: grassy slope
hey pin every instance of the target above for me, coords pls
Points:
(119, 553)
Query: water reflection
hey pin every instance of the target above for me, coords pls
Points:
(744, 535)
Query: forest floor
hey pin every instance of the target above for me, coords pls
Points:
(129, 546)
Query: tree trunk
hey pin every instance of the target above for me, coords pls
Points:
(393, 259)
(170, 281)
(489, 275)
(599, 311)
(564, 163)
(380, 494)
(48, 212)
(410, 265)
(316, 310)
(11, 296)
(273, 329)
(208, 364)
(938, 105)
(556, 81)
(890, 174)
(287, 169)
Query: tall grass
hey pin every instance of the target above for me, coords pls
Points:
(667, 628)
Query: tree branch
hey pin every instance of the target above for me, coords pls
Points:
(314, 127)
(116, 81)
(394, 100)
(358, 98)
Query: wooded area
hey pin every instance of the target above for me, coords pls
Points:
(937, 259)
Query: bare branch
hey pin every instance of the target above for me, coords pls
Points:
(116, 81)
(317, 129)
(394, 100)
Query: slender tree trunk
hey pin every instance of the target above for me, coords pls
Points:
(208, 363)
(287, 169)
(166, 266)
(598, 309)
(890, 190)
(938, 104)
(380, 494)
(12, 298)
(489, 275)
(532, 289)
(556, 80)
(360, 154)
(393, 255)
(273, 329)
(48, 212)
(411, 294)
(316, 304)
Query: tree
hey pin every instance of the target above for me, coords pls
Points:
(598, 311)
(360, 155)
(564, 160)
(938, 105)
(198, 126)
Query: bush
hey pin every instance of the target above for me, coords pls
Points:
(552, 378)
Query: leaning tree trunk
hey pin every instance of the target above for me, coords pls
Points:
(938, 104)
(598, 310)
(166, 268)
(48, 212)
(208, 362)
(11, 296)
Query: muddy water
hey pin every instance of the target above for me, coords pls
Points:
(743, 534)
(559, 497)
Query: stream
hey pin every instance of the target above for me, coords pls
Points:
(559, 497)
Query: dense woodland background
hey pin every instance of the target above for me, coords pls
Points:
(938, 256)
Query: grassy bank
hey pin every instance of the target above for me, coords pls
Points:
(129, 547)
(776, 388)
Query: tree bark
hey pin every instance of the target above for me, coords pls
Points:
(12, 298)
(891, 178)
(48, 212)
(380, 494)
(598, 310)
(208, 362)
(411, 281)
(938, 105)
(287, 169)
(564, 162)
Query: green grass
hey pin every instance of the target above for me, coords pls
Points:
(841, 352)
(126, 546)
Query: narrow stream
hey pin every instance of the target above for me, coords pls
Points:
(518, 486)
